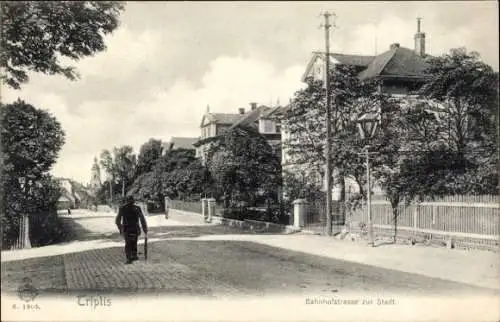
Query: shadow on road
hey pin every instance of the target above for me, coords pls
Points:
(211, 268)
(384, 243)
(77, 232)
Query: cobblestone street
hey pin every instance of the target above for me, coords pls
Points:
(180, 263)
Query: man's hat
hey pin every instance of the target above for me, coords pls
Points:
(129, 199)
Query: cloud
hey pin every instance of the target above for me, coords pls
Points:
(126, 53)
(94, 125)
(165, 64)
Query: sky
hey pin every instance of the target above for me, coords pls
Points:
(168, 61)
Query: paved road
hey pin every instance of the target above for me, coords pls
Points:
(181, 264)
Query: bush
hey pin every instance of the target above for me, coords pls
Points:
(46, 228)
(233, 213)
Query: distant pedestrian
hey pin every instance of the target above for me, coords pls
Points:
(127, 221)
(69, 211)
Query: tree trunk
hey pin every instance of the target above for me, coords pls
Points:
(395, 216)
(161, 196)
(123, 188)
(342, 201)
(111, 191)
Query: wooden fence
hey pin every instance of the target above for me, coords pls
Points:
(190, 206)
(464, 219)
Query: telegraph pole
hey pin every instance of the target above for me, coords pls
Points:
(328, 147)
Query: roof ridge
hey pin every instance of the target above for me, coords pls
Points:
(382, 67)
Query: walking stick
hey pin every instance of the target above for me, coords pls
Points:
(146, 247)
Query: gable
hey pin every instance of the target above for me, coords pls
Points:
(315, 67)
(205, 120)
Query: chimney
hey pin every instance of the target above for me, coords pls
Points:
(241, 110)
(419, 40)
(253, 106)
(394, 46)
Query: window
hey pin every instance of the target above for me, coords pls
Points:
(266, 126)
(205, 131)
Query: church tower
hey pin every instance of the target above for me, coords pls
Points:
(95, 178)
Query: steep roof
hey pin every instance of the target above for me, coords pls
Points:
(353, 60)
(347, 59)
(182, 143)
(275, 111)
(224, 118)
(405, 62)
(397, 61)
(253, 115)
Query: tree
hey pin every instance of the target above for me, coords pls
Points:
(463, 92)
(177, 174)
(125, 165)
(149, 153)
(305, 125)
(244, 167)
(174, 171)
(108, 164)
(446, 143)
(31, 139)
(66, 29)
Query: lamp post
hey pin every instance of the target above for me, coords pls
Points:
(367, 126)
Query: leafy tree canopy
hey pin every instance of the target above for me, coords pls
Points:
(37, 34)
(244, 165)
(149, 153)
(31, 139)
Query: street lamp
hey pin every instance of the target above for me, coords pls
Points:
(367, 126)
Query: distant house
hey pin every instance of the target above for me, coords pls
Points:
(400, 72)
(180, 143)
(64, 203)
(72, 193)
(214, 125)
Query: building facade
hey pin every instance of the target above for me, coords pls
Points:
(214, 125)
(399, 70)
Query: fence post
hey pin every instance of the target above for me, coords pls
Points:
(434, 211)
(415, 220)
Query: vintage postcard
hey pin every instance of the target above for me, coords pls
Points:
(249, 161)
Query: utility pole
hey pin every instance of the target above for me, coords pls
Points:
(328, 147)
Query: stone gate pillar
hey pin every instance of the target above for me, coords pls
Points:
(167, 206)
(299, 213)
(204, 208)
(211, 209)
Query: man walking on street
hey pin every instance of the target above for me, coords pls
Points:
(127, 222)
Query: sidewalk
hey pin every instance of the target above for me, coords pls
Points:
(479, 268)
